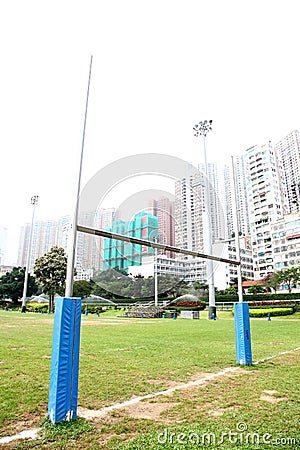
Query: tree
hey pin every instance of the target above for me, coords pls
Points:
(290, 276)
(111, 283)
(235, 281)
(272, 280)
(12, 283)
(82, 288)
(256, 289)
(200, 286)
(50, 271)
(231, 290)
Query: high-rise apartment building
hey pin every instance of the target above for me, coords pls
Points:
(265, 203)
(226, 274)
(191, 222)
(218, 178)
(286, 238)
(288, 151)
(62, 232)
(190, 204)
(46, 234)
(163, 209)
(123, 254)
(90, 249)
(3, 240)
(43, 238)
(189, 207)
(239, 165)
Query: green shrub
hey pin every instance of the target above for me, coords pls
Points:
(91, 309)
(255, 297)
(37, 307)
(188, 305)
(263, 312)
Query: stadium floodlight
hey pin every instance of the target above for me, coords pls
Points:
(34, 202)
(202, 129)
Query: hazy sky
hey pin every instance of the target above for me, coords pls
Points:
(159, 67)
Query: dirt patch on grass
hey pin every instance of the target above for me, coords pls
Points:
(147, 410)
(271, 396)
(198, 375)
(107, 322)
(168, 383)
(217, 412)
(32, 421)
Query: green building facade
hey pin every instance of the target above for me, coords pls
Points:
(124, 254)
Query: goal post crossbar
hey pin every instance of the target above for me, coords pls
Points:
(170, 248)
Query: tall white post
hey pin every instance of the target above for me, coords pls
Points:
(73, 229)
(155, 279)
(236, 230)
(202, 129)
(209, 264)
(34, 201)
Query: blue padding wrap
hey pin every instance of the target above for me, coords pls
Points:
(242, 334)
(63, 392)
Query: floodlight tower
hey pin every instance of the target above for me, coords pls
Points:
(34, 202)
(202, 129)
(155, 238)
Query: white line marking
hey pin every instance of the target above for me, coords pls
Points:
(27, 434)
(97, 413)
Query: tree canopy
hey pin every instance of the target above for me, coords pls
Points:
(12, 283)
(50, 271)
(289, 277)
(114, 283)
(82, 288)
(272, 281)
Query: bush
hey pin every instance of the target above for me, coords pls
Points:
(91, 309)
(8, 305)
(188, 306)
(263, 312)
(270, 297)
(267, 304)
(37, 307)
(256, 297)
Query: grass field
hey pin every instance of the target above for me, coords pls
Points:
(122, 358)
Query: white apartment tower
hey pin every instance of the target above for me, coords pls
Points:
(218, 211)
(241, 197)
(265, 203)
(90, 248)
(288, 151)
(43, 238)
(189, 203)
(3, 240)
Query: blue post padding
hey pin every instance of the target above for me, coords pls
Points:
(242, 334)
(63, 391)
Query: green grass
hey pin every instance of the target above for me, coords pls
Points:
(121, 358)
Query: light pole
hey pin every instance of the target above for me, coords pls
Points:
(155, 239)
(73, 227)
(201, 129)
(236, 230)
(155, 276)
(34, 201)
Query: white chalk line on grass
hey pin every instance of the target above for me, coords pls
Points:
(98, 413)
(276, 356)
(93, 414)
(27, 434)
